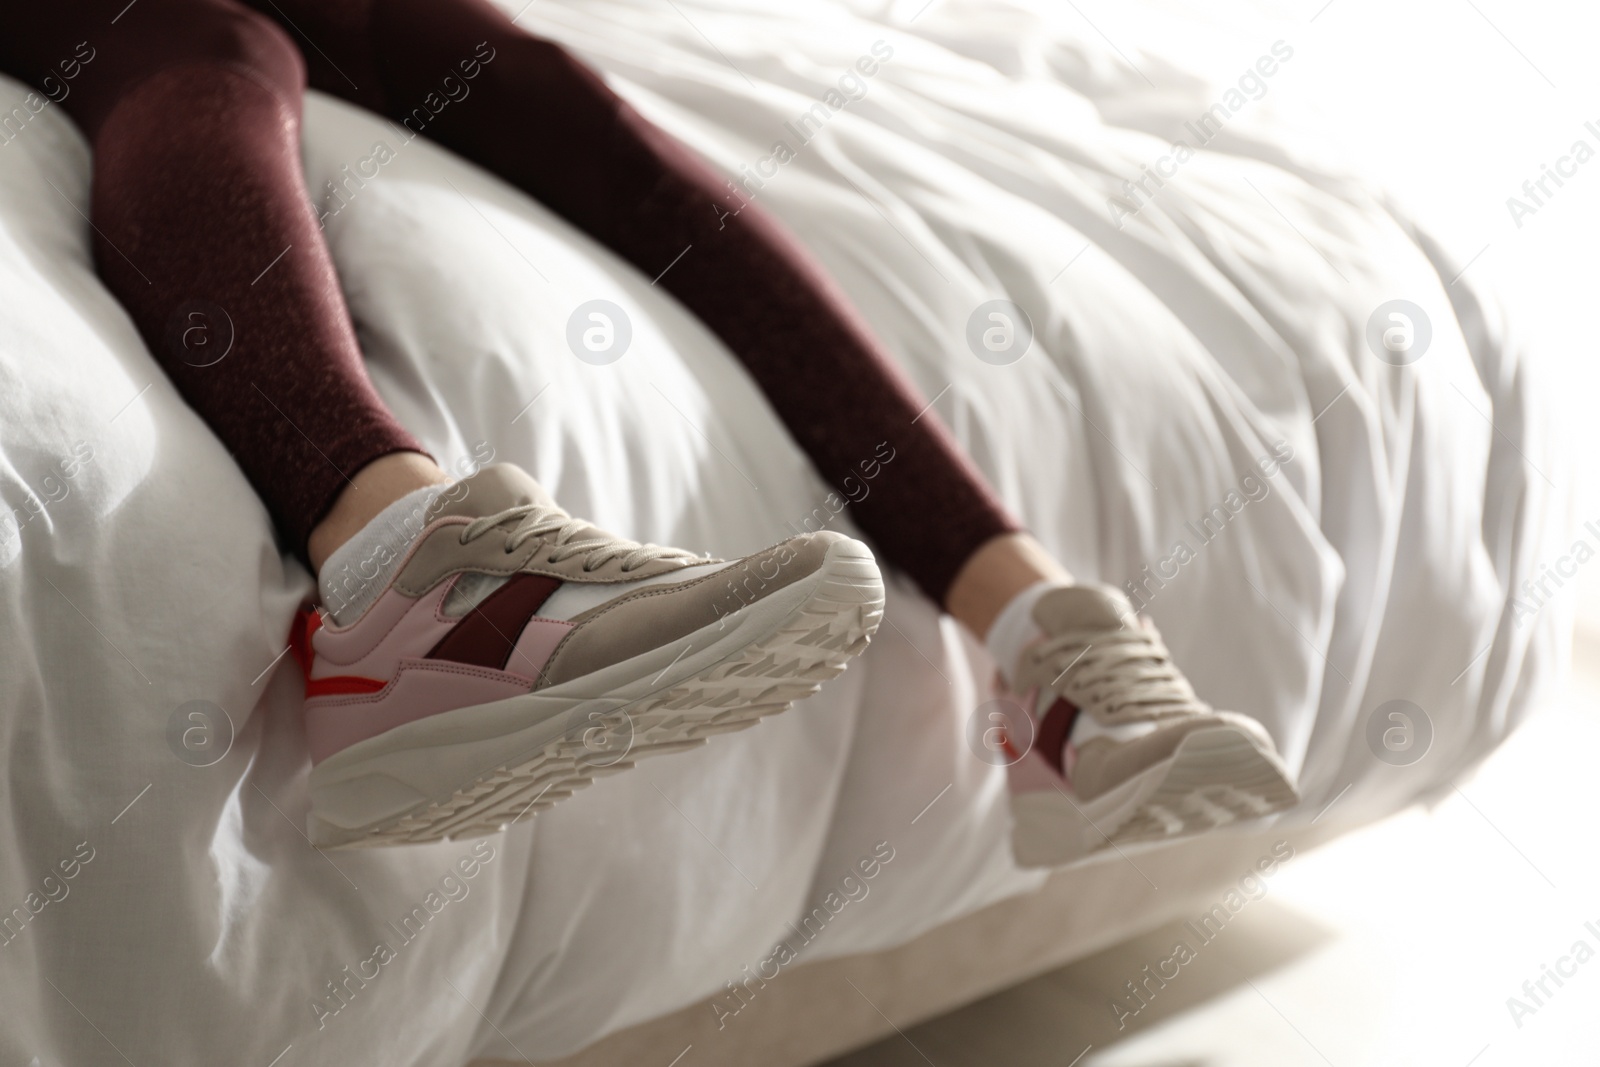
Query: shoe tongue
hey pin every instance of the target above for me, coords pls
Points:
(1082, 607)
(492, 489)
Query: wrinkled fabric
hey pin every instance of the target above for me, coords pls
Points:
(1169, 357)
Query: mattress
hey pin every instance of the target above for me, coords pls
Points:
(1189, 395)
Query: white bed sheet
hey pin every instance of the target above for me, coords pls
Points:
(1170, 354)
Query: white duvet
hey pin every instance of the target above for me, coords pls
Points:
(1324, 532)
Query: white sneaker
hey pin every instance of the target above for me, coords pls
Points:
(517, 653)
(1123, 750)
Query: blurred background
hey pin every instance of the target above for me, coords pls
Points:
(1406, 942)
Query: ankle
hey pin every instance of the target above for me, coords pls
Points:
(995, 575)
(373, 488)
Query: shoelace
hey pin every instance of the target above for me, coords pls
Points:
(1117, 674)
(543, 521)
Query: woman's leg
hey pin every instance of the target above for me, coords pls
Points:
(540, 119)
(540, 649)
(205, 234)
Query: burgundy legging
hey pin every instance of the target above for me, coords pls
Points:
(193, 110)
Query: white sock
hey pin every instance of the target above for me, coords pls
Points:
(1014, 628)
(360, 569)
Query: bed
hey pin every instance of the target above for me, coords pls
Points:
(1183, 334)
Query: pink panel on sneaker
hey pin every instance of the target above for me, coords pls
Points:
(539, 639)
(1032, 774)
(346, 644)
(421, 688)
(395, 628)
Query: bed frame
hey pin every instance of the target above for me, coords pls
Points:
(829, 1007)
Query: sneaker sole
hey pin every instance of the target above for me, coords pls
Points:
(1217, 776)
(537, 764)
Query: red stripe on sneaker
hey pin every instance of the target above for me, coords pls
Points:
(1053, 732)
(342, 685)
(487, 634)
(307, 622)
